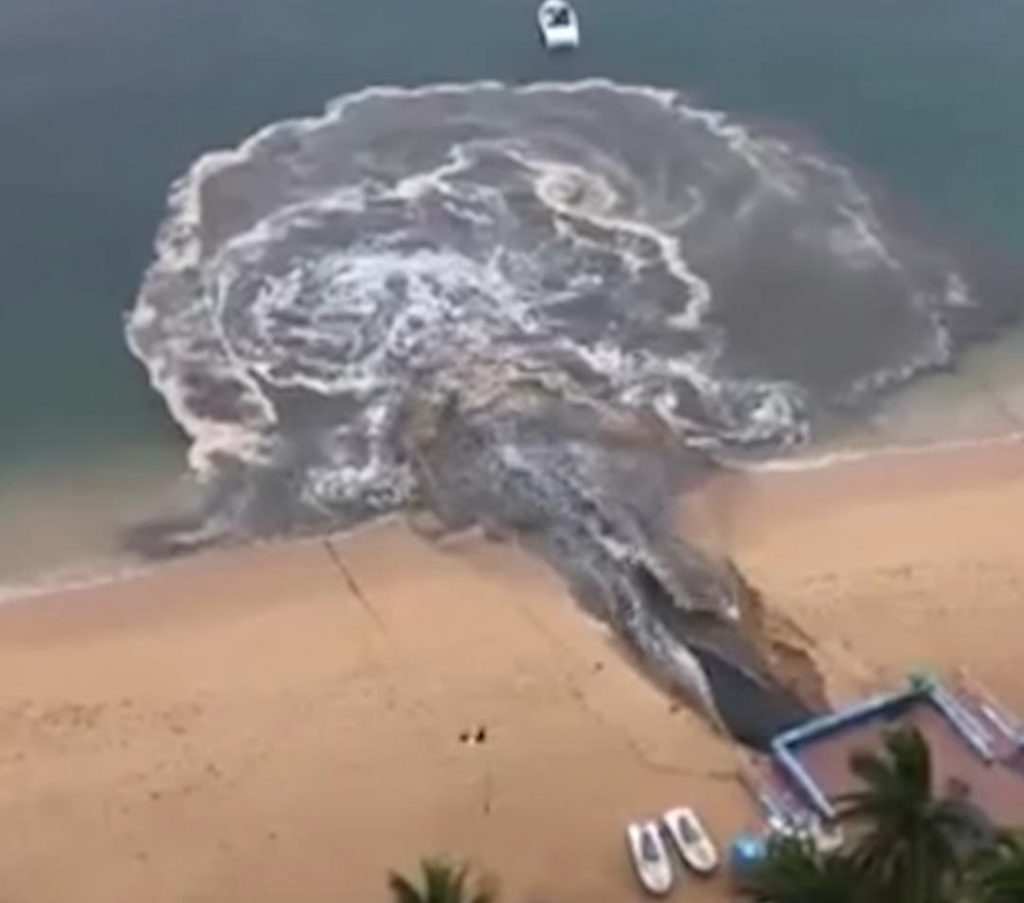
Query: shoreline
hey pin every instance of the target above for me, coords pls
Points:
(248, 721)
(885, 563)
(245, 720)
(822, 459)
(84, 573)
(794, 489)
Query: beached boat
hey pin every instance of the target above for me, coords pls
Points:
(693, 842)
(650, 857)
(559, 25)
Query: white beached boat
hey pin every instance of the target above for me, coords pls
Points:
(693, 842)
(650, 858)
(559, 25)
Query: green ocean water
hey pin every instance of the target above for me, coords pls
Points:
(104, 102)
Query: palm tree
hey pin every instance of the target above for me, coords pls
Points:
(908, 838)
(997, 875)
(442, 882)
(795, 872)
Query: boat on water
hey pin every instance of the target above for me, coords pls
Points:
(650, 857)
(694, 843)
(559, 25)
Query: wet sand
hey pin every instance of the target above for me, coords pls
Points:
(275, 723)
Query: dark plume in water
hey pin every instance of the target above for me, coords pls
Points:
(545, 310)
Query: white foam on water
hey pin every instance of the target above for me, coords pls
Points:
(414, 242)
(551, 262)
(71, 579)
(821, 461)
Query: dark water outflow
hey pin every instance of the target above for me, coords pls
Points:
(754, 710)
(543, 309)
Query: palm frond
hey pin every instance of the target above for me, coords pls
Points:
(795, 872)
(403, 890)
(908, 841)
(997, 875)
(442, 881)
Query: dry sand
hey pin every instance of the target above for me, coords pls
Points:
(257, 725)
(887, 563)
(247, 726)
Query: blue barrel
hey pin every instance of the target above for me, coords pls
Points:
(746, 853)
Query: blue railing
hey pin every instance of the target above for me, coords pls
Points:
(963, 722)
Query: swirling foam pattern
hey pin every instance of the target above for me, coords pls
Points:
(612, 243)
(524, 306)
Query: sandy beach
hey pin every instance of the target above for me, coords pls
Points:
(288, 721)
(885, 563)
(256, 725)
(274, 268)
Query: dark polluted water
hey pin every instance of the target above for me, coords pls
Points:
(543, 309)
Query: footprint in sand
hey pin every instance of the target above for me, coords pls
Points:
(475, 737)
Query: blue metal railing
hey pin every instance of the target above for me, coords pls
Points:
(921, 689)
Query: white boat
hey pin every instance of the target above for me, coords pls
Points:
(693, 842)
(650, 858)
(559, 25)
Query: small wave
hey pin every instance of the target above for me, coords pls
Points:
(822, 461)
(71, 579)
